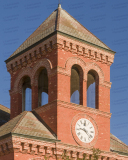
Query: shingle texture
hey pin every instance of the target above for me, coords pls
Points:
(4, 114)
(61, 21)
(117, 145)
(5, 109)
(26, 124)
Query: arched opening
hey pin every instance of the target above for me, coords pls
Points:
(43, 87)
(76, 84)
(26, 94)
(92, 89)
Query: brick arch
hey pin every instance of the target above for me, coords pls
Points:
(18, 81)
(95, 67)
(31, 72)
(72, 61)
(46, 63)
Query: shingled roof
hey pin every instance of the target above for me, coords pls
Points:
(63, 22)
(118, 146)
(26, 124)
(4, 114)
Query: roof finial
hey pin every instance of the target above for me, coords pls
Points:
(59, 5)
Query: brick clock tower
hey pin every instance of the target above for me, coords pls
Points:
(71, 66)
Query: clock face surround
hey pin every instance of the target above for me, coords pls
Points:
(84, 130)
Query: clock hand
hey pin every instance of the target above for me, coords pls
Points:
(84, 130)
(90, 136)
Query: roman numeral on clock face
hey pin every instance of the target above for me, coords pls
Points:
(84, 130)
(90, 136)
(81, 137)
(78, 133)
(84, 122)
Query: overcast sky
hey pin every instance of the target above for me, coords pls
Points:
(108, 20)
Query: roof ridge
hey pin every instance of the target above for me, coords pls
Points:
(24, 113)
(58, 18)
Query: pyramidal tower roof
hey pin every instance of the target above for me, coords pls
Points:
(63, 22)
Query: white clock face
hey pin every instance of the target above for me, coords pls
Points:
(84, 130)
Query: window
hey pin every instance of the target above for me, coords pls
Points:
(26, 94)
(92, 89)
(76, 87)
(43, 87)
